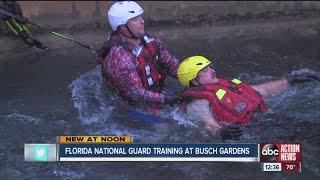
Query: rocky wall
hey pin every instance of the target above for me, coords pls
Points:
(68, 14)
(86, 20)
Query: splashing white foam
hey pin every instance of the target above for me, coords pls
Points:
(21, 117)
(95, 109)
(181, 118)
(89, 99)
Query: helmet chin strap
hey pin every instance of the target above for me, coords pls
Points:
(132, 35)
(199, 84)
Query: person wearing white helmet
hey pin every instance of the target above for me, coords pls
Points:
(120, 13)
(135, 63)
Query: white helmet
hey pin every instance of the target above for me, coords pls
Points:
(121, 12)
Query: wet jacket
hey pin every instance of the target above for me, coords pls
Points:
(136, 73)
(230, 100)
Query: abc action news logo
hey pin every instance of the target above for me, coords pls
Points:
(280, 152)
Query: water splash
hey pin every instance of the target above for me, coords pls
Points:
(68, 173)
(21, 118)
(181, 118)
(96, 108)
(89, 99)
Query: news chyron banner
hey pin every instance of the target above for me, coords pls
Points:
(281, 157)
(159, 152)
(274, 157)
(122, 148)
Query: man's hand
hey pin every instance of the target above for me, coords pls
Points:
(303, 77)
(232, 132)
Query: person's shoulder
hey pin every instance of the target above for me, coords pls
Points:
(198, 110)
(149, 34)
(117, 49)
(154, 36)
(197, 103)
(119, 53)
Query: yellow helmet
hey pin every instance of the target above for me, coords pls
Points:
(190, 67)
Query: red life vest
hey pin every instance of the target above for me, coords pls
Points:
(149, 69)
(230, 101)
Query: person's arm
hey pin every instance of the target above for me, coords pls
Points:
(267, 89)
(272, 87)
(171, 62)
(120, 67)
(199, 112)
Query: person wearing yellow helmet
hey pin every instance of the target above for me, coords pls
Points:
(221, 104)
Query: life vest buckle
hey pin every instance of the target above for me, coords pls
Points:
(234, 88)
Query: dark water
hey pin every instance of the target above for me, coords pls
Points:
(61, 94)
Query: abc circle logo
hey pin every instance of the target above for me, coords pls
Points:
(269, 152)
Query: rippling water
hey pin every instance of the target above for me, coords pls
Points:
(43, 97)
